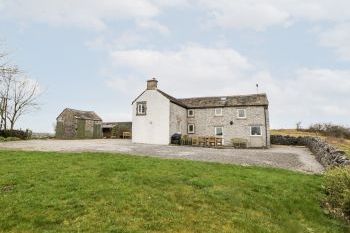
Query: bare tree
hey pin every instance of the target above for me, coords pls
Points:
(18, 94)
(22, 99)
(298, 126)
(7, 78)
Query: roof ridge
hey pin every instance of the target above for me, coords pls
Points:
(222, 96)
(78, 110)
(172, 99)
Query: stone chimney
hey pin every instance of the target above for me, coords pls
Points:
(152, 84)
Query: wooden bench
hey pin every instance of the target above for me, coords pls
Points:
(126, 135)
(239, 142)
(201, 141)
(195, 140)
(186, 140)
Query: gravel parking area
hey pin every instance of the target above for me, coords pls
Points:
(291, 158)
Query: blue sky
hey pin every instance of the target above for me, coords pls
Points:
(97, 55)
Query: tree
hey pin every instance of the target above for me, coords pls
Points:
(23, 99)
(18, 94)
(298, 125)
(7, 73)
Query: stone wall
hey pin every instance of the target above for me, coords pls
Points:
(326, 154)
(205, 121)
(178, 119)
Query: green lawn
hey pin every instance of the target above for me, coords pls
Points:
(98, 192)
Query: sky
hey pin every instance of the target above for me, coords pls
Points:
(97, 55)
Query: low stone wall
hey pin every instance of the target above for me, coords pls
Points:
(326, 154)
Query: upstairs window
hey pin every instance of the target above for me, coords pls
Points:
(241, 113)
(218, 111)
(141, 108)
(255, 131)
(190, 113)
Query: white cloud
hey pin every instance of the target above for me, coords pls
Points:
(91, 14)
(124, 40)
(190, 67)
(338, 38)
(256, 15)
(307, 94)
(153, 25)
(244, 14)
(261, 14)
(313, 95)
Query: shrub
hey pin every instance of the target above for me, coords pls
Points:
(21, 134)
(337, 187)
(328, 129)
(8, 139)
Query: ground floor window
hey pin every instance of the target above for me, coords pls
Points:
(255, 131)
(190, 128)
(219, 131)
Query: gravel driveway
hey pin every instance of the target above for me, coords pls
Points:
(292, 158)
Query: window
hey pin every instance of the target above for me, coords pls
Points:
(219, 131)
(190, 113)
(218, 111)
(190, 128)
(255, 131)
(241, 113)
(141, 108)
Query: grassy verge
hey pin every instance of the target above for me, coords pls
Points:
(342, 144)
(97, 192)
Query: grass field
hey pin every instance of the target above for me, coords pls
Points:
(97, 192)
(342, 144)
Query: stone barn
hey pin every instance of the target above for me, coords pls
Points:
(77, 124)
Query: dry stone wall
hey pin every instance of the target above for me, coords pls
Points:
(326, 154)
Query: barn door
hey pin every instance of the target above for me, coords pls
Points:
(81, 128)
(97, 131)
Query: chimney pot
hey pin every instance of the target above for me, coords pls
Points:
(152, 84)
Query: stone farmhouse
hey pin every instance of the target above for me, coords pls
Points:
(156, 116)
(77, 124)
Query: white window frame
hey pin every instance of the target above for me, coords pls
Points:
(188, 112)
(188, 128)
(216, 113)
(245, 113)
(139, 108)
(222, 130)
(255, 135)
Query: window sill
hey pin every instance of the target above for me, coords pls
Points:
(256, 135)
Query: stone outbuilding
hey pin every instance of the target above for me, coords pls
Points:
(116, 129)
(77, 124)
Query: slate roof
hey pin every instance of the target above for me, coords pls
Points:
(112, 124)
(217, 101)
(220, 101)
(86, 115)
(172, 99)
(226, 101)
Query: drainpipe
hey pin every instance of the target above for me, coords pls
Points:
(265, 127)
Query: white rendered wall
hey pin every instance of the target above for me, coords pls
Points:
(152, 128)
